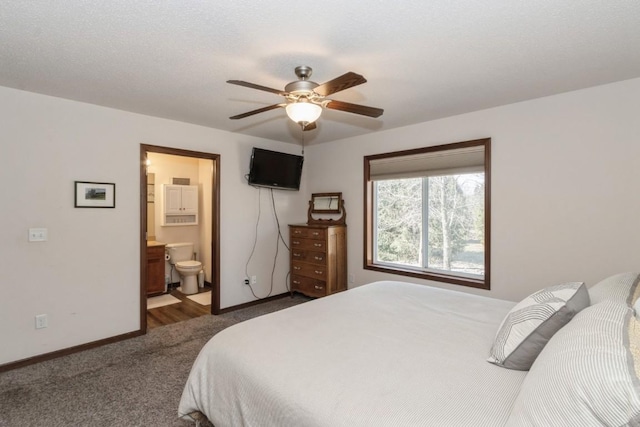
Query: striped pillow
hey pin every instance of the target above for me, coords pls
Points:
(532, 322)
(587, 375)
(622, 288)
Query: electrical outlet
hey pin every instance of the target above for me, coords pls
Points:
(41, 321)
(352, 278)
(254, 280)
(246, 281)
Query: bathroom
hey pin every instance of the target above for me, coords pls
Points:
(167, 227)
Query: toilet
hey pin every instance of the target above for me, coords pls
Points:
(180, 256)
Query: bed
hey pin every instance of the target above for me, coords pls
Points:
(389, 354)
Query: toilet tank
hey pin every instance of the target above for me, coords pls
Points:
(179, 252)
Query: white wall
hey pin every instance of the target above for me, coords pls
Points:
(565, 186)
(564, 203)
(86, 276)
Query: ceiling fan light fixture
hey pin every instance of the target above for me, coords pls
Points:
(305, 100)
(303, 112)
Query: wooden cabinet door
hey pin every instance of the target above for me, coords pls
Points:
(155, 270)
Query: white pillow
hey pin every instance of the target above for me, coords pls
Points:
(587, 375)
(618, 288)
(532, 322)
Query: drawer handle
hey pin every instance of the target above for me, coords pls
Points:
(319, 272)
(317, 245)
(297, 232)
(319, 287)
(295, 267)
(315, 233)
(295, 242)
(318, 258)
(295, 282)
(296, 254)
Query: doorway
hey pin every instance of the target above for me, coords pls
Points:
(211, 227)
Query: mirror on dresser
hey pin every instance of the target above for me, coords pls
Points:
(319, 248)
(326, 202)
(327, 208)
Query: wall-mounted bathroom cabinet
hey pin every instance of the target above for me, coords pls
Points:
(180, 205)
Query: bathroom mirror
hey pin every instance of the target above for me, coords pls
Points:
(326, 202)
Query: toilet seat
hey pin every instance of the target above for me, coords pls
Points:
(189, 264)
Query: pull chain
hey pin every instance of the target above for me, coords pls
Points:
(302, 129)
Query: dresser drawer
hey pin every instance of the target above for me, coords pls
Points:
(308, 233)
(318, 258)
(308, 286)
(309, 256)
(308, 244)
(309, 270)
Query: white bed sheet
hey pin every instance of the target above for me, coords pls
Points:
(383, 354)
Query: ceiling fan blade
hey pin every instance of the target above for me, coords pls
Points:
(355, 108)
(343, 82)
(259, 110)
(310, 126)
(255, 86)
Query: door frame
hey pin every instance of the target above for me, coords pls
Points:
(215, 224)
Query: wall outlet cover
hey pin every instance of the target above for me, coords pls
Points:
(41, 321)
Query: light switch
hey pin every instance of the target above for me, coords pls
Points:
(37, 234)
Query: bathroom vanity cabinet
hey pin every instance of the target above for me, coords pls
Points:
(155, 268)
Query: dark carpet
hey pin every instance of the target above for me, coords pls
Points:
(137, 382)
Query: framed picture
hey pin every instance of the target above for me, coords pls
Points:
(95, 195)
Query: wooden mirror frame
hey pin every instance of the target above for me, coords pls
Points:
(331, 197)
(342, 220)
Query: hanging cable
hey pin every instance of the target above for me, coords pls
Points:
(275, 212)
(255, 241)
(275, 257)
(281, 238)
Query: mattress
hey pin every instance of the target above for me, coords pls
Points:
(383, 354)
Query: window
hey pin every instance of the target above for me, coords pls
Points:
(428, 213)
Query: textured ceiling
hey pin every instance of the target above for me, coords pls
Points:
(423, 59)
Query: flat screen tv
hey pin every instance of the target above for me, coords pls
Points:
(275, 170)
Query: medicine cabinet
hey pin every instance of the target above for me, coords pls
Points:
(180, 205)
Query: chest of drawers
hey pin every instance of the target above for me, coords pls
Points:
(318, 259)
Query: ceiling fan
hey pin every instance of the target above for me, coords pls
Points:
(304, 99)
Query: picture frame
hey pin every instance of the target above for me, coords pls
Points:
(95, 194)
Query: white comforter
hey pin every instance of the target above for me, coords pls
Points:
(383, 354)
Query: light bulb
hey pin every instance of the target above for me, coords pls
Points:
(303, 111)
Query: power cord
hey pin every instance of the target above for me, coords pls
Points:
(275, 212)
(255, 241)
(279, 237)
